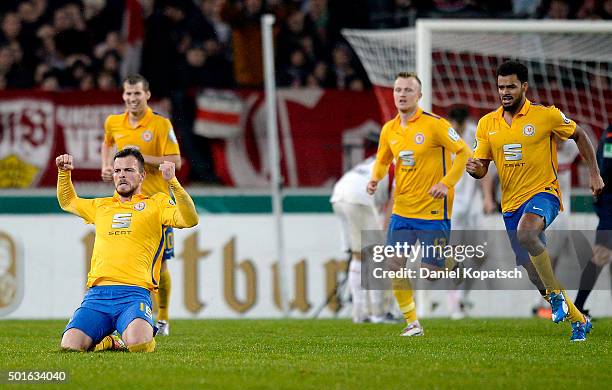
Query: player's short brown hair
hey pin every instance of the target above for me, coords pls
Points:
(134, 153)
(134, 79)
(407, 75)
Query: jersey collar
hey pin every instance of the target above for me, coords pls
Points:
(144, 121)
(135, 198)
(499, 114)
(413, 118)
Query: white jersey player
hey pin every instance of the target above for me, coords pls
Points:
(359, 211)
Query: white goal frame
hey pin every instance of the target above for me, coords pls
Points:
(426, 27)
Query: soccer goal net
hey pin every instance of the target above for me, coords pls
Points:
(570, 63)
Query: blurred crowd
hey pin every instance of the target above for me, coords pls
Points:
(79, 44)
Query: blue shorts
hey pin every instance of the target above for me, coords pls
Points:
(543, 204)
(168, 243)
(426, 231)
(106, 308)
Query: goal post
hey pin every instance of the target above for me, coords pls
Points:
(570, 63)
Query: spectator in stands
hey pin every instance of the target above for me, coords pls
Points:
(244, 18)
(557, 9)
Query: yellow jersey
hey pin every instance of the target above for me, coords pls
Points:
(524, 153)
(422, 153)
(129, 242)
(153, 135)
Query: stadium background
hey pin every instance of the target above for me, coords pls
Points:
(61, 64)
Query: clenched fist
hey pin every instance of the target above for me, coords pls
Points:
(64, 162)
(167, 169)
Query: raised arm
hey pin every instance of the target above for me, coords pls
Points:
(66, 195)
(184, 214)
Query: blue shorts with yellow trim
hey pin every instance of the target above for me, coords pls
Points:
(543, 204)
(428, 232)
(168, 232)
(106, 308)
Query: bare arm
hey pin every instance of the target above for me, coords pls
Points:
(587, 152)
(158, 160)
(107, 161)
(487, 185)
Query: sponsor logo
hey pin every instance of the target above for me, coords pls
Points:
(513, 152)
(407, 158)
(492, 132)
(607, 150)
(419, 138)
(475, 144)
(147, 135)
(140, 206)
(566, 120)
(172, 136)
(529, 130)
(122, 220)
(452, 134)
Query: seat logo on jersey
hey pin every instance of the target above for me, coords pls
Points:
(513, 152)
(122, 220)
(529, 130)
(147, 135)
(407, 158)
(452, 134)
(419, 138)
(140, 206)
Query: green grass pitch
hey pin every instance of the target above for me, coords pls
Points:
(324, 354)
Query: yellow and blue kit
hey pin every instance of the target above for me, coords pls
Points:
(422, 151)
(525, 155)
(153, 135)
(127, 251)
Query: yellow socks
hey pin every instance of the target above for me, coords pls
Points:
(574, 314)
(106, 344)
(144, 347)
(163, 295)
(405, 298)
(543, 266)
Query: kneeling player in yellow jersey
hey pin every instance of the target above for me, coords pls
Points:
(421, 145)
(125, 264)
(518, 137)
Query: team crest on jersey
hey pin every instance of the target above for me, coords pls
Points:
(147, 135)
(139, 206)
(452, 134)
(419, 138)
(529, 130)
(171, 202)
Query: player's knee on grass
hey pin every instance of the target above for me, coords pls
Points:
(137, 332)
(76, 340)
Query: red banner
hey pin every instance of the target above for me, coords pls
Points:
(35, 127)
(321, 134)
